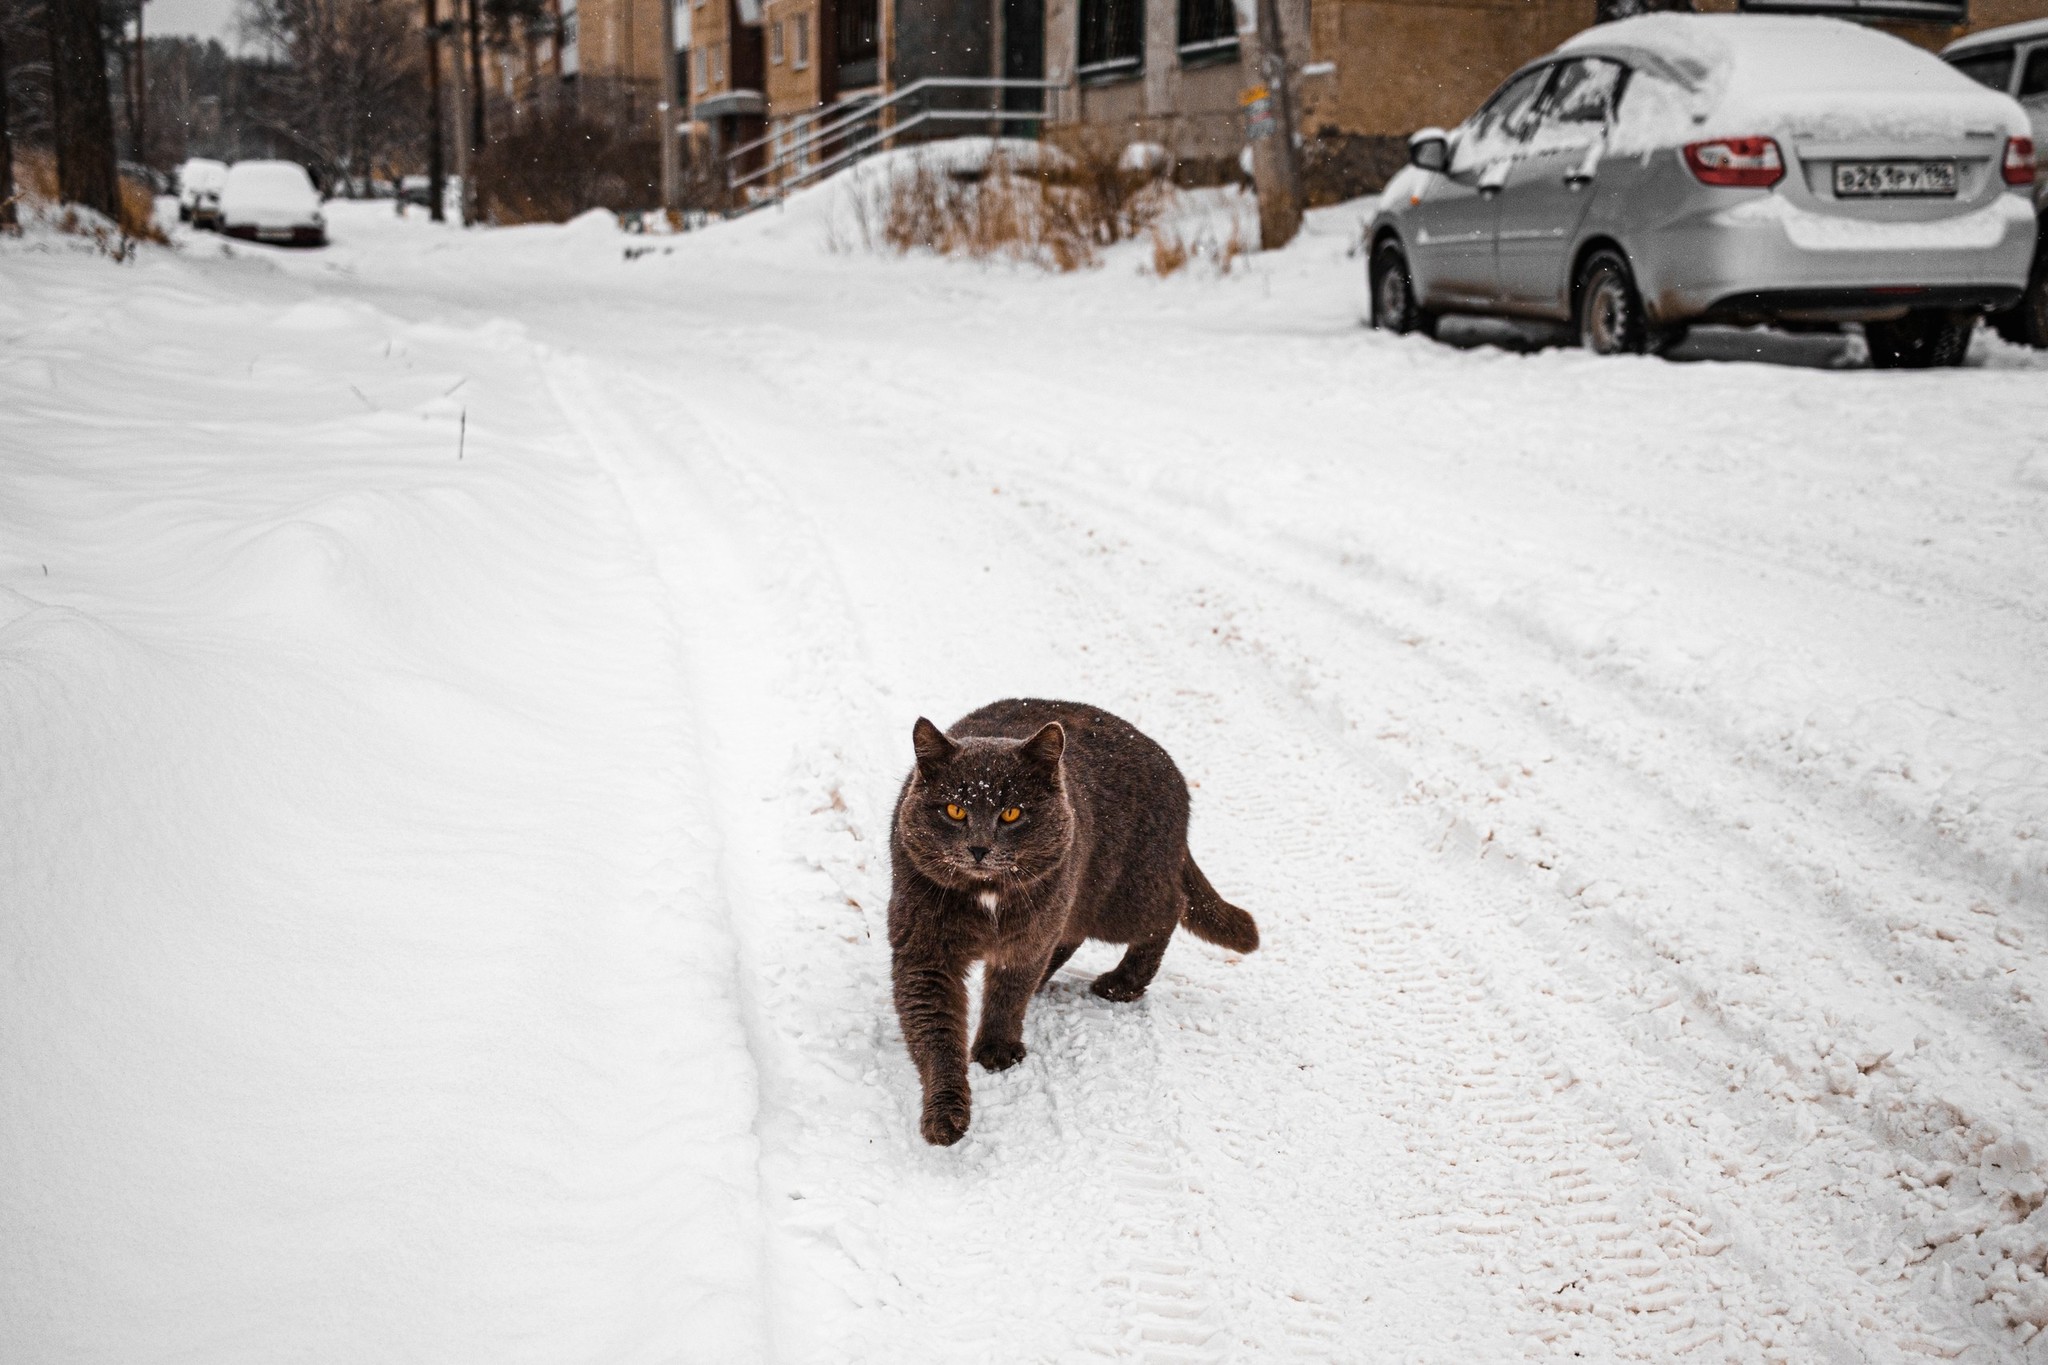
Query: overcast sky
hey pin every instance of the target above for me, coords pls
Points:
(201, 18)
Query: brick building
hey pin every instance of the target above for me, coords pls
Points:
(1167, 71)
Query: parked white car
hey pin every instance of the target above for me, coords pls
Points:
(199, 182)
(272, 201)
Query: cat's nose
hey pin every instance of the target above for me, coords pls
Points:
(979, 851)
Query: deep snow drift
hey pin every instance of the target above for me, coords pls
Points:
(454, 687)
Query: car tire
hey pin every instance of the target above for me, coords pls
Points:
(1393, 294)
(2026, 323)
(1924, 339)
(1610, 311)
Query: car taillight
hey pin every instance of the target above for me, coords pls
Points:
(2019, 161)
(1749, 161)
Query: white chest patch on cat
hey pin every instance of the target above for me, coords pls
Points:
(988, 901)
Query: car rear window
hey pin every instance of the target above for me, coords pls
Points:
(1987, 68)
(2034, 80)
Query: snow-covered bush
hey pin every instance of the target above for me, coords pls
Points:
(1054, 205)
(40, 210)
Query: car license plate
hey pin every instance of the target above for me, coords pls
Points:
(1885, 179)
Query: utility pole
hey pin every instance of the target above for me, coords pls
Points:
(437, 173)
(1276, 167)
(82, 119)
(670, 110)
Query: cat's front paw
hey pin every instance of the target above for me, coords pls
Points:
(999, 1055)
(945, 1118)
(1110, 986)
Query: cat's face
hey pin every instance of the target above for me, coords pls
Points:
(986, 813)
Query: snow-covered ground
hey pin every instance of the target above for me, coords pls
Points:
(453, 687)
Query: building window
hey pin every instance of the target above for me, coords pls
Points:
(1208, 31)
(701, 83)
(718, 65)
(775, 42)
(1112, 38)
(802, 24)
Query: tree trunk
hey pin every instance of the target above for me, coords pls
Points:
(82, 118)
(141, 91)
(126, 57)
(476, 81)
(1276, 167)
(437, 171)
(471, 199)
(8, 221)
(459, 70)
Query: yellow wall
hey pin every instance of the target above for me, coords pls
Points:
(1405, 64)
(791, 89)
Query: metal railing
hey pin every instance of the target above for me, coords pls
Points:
(867, 124)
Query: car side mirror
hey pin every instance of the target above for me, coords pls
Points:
(1429, 150)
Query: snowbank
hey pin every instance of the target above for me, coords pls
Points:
(366, 993)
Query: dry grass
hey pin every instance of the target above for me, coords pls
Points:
(36, 199)
(1057, 213)
(1173, 250)
(1169, 251)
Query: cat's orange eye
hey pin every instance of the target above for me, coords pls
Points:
(1010, 815)
(955, 813)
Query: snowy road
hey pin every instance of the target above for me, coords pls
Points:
(1639, 773)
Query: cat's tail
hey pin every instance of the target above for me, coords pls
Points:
(1212, 918)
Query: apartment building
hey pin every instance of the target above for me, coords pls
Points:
(1165, 71)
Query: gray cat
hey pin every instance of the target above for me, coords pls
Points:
(1027, 828)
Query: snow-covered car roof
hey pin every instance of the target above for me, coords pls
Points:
(1763, 52)
(270, 189)
(202, 173)
(2022, 32)
(1835, 79)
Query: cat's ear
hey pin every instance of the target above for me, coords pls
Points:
(933, 748)
(1045, 747)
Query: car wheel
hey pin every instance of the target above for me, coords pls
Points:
(1610, 311)
(1921, 340)
(1393, 294)
(2026, 323)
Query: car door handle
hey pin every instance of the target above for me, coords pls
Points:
(1578, 180)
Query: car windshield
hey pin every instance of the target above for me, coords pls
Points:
(1507, 118)
(1987, 68)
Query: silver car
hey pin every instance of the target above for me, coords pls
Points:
(2014, 61)
(1682, 168)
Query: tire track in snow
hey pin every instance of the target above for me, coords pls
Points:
(1655, 1294)
(1588, 1209)
(1918, 1335)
